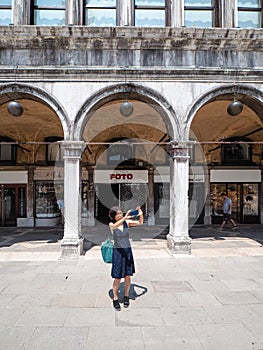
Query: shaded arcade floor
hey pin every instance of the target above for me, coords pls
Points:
(45, 243)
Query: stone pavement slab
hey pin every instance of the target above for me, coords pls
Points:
(59, 338)
(15, 337)
(171, 337)
(227, 337)
(119, 338)
(209, 300)
(169, 311)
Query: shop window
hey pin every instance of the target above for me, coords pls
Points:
(150, 13)
(49, 12)
(7, 151)
(236, 153)
(250, 13)
(245, 202)
(53, 150)
(5, 12)
(47, 196)
(100, 13)
(250, 199)
(201, 13)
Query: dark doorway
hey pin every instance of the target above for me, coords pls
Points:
(12, 204)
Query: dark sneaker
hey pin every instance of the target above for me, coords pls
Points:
(116, 305)
(126, 302)
(234, 227)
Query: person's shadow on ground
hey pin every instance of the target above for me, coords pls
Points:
(136, 291)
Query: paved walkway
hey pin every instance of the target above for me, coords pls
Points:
(209, 300)
(18, 244)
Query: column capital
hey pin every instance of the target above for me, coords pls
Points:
(73, 149)
(30, 168)
(179, 150)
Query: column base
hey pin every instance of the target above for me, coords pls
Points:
(207, 220)
(71, 247)
(88, 222)
(178, 245)
(25, 222)
(151, 220)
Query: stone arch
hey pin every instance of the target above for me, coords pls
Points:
(24, 91)
(120, 91)
(248, 95)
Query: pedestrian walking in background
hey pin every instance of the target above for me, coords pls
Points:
(227, 212)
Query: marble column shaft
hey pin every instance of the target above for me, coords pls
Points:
(71, 243)
(178, 239)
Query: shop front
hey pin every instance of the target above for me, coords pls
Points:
(12, 197)
(196, 195)
(130, 188)
(243, 187)
(48, 188)
(126, 189)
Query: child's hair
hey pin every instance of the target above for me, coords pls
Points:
(112, 213)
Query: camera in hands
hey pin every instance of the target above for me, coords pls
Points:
(134, 212)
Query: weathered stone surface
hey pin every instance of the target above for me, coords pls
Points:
(160, 47)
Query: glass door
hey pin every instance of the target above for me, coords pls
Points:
(233, 191)
(12, 204)
(133, 195)
(123, 195)
(251, 204)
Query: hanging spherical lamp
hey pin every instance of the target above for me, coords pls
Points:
(235, 108)
(126, 108)
(15, 108)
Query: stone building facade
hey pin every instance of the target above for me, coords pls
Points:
(179, 147)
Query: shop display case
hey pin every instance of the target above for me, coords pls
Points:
(251, 203)
(46, 194)
(84, 199)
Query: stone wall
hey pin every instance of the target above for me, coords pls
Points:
(165, 48)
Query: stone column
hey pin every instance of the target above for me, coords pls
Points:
(125, 13)
(177, 13)
(229, 14)
(151, 219)
(72, 240)
(207, 218)
(178, 240)
(19, 12)
(73, 12)
(91, 197)
(30, 196)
